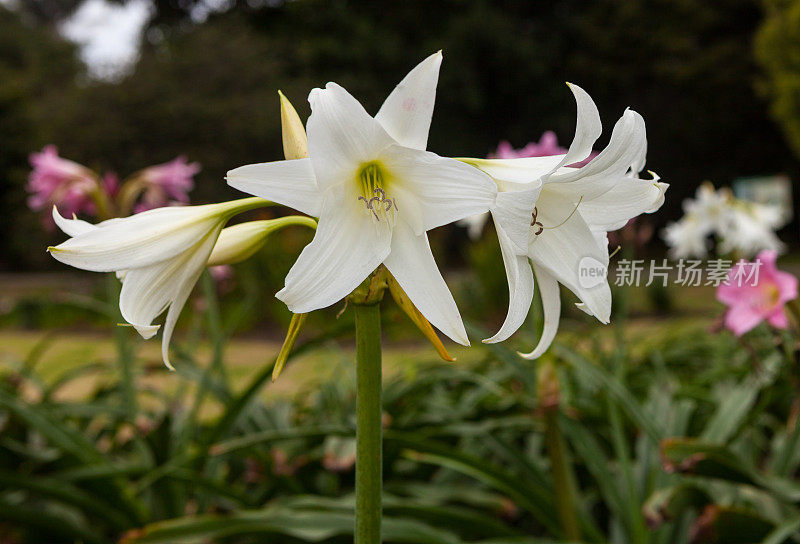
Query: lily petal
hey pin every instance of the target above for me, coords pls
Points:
(346, 248)
(341, 135)
(524, 170)
(562, 245)
(191, 273)
(588, 128)
(137, 241)
(291, 183)
(147, 291)
(629, 198)
(74, 227)
(412, 265)
(624, 149)
(446, 189)
(520, 287)
(551, 304)
(513, 210)
(406, 114)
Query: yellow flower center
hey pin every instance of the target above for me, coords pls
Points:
(373, 181)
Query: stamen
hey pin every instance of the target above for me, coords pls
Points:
(535, 223)
(373, 180)
(380, 198)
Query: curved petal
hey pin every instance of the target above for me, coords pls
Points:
(148, 291)
(565, 247)
(139, 240)
(624, 150)
(348, 245)
(291, 183)
(446, 190)
(412, 265)
(193, 267)
(513, 210)
(406, 113)
(778, 319)
(551, 306)
(741, 318)
(341, 135)
(629, 198)
(587, 129)
(72, 227)
(75, 227)
(524, 170)
(520, 287)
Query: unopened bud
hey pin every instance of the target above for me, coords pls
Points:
(295, 141)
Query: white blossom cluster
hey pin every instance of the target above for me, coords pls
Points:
(739, 226)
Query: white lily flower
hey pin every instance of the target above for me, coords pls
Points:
(687, 237)
(158, 254)
(565, 229)
(376, 192)
(751, 229)
(740, 226)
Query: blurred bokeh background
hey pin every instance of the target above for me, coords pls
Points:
(118, 86)
(664, 428)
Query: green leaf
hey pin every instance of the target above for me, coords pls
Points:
(536, 499)
(307, 525)
(728, 525)
(689, 456)
(783, 531)
(616, 389)
(736, 404)
(670, 502)
(53, 488)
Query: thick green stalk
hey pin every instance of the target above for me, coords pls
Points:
(564, 488)
(563, 481)
(369, 463)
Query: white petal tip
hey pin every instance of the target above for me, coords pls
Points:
(147, 331)
(169, 365)
(529, 356)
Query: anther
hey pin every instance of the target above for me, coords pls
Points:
(535, 223)
(381, 198)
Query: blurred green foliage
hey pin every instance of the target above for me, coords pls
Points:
(671, 436)
(208, 89)
(778, 51)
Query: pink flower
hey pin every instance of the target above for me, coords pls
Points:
(547, 146)
(756, 292)
(110, 184)
(58, 181)
(167, 183)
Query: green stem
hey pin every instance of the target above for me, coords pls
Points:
(563, 481)
(369, 430)
(124, 355)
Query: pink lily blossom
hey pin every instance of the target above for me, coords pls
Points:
(545, 147)
(167, 183)
(755, 292)
(58, 181)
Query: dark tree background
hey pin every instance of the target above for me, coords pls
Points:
(208, 90)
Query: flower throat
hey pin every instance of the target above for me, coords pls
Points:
(373, 181)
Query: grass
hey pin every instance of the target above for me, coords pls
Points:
(61, 352)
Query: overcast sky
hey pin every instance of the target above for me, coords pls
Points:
(108, 34)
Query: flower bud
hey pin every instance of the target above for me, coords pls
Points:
(295, 141)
